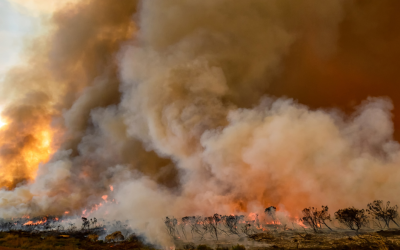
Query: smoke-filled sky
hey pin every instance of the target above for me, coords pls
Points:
(196, 107)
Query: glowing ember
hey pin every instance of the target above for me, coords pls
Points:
(274, 223)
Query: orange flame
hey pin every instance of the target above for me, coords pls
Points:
(2, 123)
(29, 223)
(27, 151)
(300, 223)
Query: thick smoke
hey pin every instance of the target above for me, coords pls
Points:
(168, 102)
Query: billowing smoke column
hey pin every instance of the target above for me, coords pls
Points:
(168, 102)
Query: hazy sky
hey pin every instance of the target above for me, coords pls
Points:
(15, 24)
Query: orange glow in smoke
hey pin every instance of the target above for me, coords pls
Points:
(2, 123)
(252, 216)
(27, 151)
(111, 188)
(104, 197)
(34, 156)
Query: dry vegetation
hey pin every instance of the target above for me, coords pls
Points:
(279, 239)
(350, 228)
(43, 241)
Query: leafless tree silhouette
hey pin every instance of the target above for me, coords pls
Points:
(377, 210)
(352, 217)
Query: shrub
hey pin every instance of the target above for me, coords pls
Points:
(238, 247)
(352, 217)
(203, 247)
(188, 247)
(222, 248)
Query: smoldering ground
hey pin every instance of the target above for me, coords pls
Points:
(185, 107)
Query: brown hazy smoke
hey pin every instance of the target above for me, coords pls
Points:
(63, 68)
(185, 108)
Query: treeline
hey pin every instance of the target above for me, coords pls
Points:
(379, 213)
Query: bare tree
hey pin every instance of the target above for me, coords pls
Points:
(381, 212)
(211, 225)
(310, 218)
(323, 216)
(196, 223)
(315, 218)
(85, 223)
(171, 223)
(231, 222)
(352, 217)
(270, 212)
(185, 221)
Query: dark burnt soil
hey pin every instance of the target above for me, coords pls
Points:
(64, 241)
(329, 240)
(338, 239)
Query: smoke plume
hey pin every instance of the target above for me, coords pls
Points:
(184, 108)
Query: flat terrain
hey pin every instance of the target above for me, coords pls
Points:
(290, 239)
(7, 248)
(52, 240)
